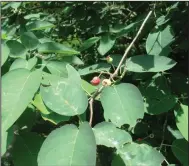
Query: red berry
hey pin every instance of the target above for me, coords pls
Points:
(95, 81)
(139, 139)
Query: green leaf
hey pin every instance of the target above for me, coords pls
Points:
(15, 5)
(5, 53)
(57, 68)
(73, 60)
(88, 43)
(147, 63)
(22, 63)
(161, 20)
(6, 139)
(52, 47)
(176, 133)
(181, 114)
(55, 118)
(117, 161)
(16, 48)
(106, 43)
(73, 75)
(18, 89)
(180, 150)
(65, 97)
(29, 40)
(123, 104)
(26, 148)
(122, 30)
(108, 135)
(39, 25)
(157, 95)
(140, 154)
(116, 59)
(87, 87)
(158, 39)
(69, 146)
(94, 68)
(38, 103)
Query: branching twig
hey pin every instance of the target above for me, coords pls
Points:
(130, 46)
(98, 91)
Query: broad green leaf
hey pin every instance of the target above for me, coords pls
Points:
(18, 89)
(121, 30)
(140, 154)
(45, 40)
(22, 63)
(87, 87)
(57, 68)
(26, 148)
(176, 133)
(30, 16)
(161, 20)
(69, 146)
(123, 104)
(181, 114)
(108, 135)
(32, 62)
(5, 53)
(73, 75)
(16, 48)
(180, 150)
(71, 59)
(157, 95)
(106, 43)
(88, 43)
(19, 63)
(38, 103)
(6, 139)
(65, 98)
(147, 63)
(94, 68)
(49, 79)
(52, 47)
(15, 5)
(39, 25)
(158, 39)
(29, 40)
(117, 161)
(55, 118)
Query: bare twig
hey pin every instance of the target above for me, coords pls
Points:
(98, 91)
(130, 46)
(163, 136)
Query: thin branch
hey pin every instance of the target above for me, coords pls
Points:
(163, 136)
(98, 91)
(130, 46)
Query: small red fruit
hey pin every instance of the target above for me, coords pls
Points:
(95, 81)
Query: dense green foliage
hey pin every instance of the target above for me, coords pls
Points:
(50, 53)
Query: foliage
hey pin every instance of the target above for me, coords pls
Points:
(53, 115)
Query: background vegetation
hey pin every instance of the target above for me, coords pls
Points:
(83, 34)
